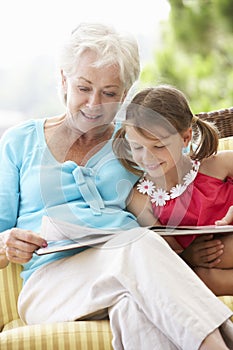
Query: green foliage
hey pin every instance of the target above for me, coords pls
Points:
(197, 53)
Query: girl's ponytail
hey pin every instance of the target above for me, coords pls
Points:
(206, 136)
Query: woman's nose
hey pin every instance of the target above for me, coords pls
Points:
(94, 100)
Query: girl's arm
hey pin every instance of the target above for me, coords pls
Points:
(227, 219)
(140, 206)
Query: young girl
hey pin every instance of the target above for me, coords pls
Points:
(179, 188)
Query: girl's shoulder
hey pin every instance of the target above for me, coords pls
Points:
(219, 165)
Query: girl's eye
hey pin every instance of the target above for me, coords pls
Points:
(161, 146)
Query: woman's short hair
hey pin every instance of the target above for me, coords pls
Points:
(110, 46)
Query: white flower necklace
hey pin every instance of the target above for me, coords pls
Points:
(160, 196)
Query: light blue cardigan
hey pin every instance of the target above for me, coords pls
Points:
(33, 184)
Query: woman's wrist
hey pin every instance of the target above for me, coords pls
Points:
(3, 257)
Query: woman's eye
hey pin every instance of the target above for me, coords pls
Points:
(136, 147)
(83, 88)
(109, 94)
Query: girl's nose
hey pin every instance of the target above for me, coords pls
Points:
(147, 154)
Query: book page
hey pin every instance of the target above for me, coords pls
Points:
(55, 230)
(190, 230)
(62, 236)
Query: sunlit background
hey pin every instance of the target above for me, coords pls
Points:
(31, 32)
(30, 28)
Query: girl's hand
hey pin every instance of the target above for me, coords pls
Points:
(203, 251)
(228, 218)
(19, 244)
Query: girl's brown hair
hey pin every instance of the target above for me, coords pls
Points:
(168, 107)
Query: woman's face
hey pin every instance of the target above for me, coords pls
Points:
(93, 94)
(156, 156)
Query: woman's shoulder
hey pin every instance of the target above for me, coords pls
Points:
(24, 126)
(21, 130)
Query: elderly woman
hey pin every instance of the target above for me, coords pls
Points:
(64, 167)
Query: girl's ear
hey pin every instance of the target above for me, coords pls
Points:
(187, 136)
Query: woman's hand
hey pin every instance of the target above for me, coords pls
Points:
(227, 219)
(203, 251)
(19, 245)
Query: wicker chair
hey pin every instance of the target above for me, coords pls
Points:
(81, 334)
(223, 119)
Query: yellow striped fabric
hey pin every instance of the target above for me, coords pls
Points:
(83, 335)
(14, 335)
(228, 300)
(226, 143)
(10, 286)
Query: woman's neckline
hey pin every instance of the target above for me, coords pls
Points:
(67, 161)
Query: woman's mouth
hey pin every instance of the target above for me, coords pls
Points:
(91, 116)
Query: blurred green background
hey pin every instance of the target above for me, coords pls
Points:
(196, 53)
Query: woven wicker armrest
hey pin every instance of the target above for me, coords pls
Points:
(222, 118)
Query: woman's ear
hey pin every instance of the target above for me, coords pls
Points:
(187, 136)
(124, 95)
(63, 80)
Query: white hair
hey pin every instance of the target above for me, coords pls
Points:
(110, 46)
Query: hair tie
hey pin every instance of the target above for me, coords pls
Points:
(195, 119)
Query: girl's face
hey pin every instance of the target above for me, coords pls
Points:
(93, 94)
(156, 156)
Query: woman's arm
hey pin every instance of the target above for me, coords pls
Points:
(9, 180)
(16, 245)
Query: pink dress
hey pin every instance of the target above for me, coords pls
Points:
(205, 200)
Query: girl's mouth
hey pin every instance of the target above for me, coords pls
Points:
(152, 167)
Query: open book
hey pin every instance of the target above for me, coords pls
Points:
(62, 235)
(190, 230)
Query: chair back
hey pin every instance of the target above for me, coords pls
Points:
(223, 119)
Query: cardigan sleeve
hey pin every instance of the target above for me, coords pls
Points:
(9, 179)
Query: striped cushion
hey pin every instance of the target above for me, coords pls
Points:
(10, 286)
(228, 300)
(60, 336)
(65, 335)
(226, 143)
